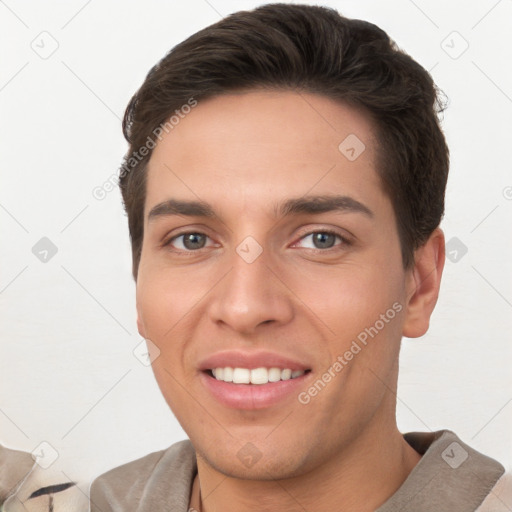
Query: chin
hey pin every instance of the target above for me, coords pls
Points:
(246, 461)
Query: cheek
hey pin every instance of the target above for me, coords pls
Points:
(164, 298)
(360, 308)
(163, 301)
(162, 310)
(349, 298)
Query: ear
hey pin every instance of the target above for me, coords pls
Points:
(422, 285)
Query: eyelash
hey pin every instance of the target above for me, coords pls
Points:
(344, 241)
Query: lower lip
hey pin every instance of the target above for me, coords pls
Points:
(252, 396)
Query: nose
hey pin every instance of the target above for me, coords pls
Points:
(251, 295)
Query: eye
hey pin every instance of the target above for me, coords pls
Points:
(190, 241)
(318, 240)
(324, 239)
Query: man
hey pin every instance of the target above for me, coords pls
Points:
(284, 188)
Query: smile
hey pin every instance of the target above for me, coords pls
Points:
(253, 391)
(256, 375)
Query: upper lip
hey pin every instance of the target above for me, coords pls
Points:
(250, 360)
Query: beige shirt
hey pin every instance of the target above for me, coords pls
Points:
(450, 477)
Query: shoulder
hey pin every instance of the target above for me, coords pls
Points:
(451, 475)
(168, 471)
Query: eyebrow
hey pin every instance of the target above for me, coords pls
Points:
(306, 204)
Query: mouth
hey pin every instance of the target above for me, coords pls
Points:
(254, 388)
(257, 376)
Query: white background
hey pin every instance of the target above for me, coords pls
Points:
(67, 372)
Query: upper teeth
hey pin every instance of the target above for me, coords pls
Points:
(254, 376)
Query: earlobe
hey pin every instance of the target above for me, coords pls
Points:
(423, 284)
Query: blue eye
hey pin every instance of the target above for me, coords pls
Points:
(324, 239)
(194, 241)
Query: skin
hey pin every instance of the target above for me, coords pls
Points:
(244, 154)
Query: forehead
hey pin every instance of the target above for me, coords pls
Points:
(252, 150)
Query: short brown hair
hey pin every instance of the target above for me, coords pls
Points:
(309, 49)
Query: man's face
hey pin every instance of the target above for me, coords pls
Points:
(256, 285)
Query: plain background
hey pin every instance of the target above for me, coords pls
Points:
(68, 374)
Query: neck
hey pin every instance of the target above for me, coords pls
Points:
(359, 478)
